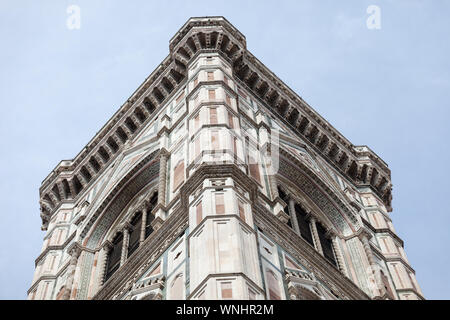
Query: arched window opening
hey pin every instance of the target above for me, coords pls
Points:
(285, 199)
(152, 204)
(135, 233)
(303, 224)
(326, 243)
(114, 255)
(301, 217)
(282, 194)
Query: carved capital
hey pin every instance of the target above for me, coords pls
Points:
(157, 223)
(282, 216)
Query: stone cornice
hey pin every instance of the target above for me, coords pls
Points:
(206, 171)
(204, 23)
(359, 151)
(224, 275)
(130, 119)
(357, 163)
(384, 230)
(54, 247)
(211, 34)
(397, 258)
(49, 277)
(407, 290)
(71, 165)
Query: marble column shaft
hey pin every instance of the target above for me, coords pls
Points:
(124, 253)
(338, 254)
(143, 224)
(162, 179)
(103, 258)
(315, 235)
(294, 222)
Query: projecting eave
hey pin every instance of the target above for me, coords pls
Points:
(70, 164)
(71, 177)
(202, 22)
(318, 120)
(361, 166)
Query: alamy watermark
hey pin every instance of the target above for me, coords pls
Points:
(73, 21)
(373, 22)
(261, 149)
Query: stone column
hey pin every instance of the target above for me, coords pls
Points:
(159, 211)
(143, 223)
(294, 221)
(338, 254)
(103, 259)
(315, 234)
(162, 178)
(74, 252)
(126, 238)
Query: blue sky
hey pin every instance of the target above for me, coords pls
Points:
(388, 89)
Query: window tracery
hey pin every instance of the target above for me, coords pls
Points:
(139, 227)
(311, 229)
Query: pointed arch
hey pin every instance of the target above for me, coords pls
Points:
(106, 214)
(309, 189)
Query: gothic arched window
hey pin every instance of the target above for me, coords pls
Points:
(135, 233)
(326, 243)
(150, 217)
(303, 224)
(285, 199)
(114, 255)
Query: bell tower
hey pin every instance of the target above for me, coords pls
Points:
(216, 181)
